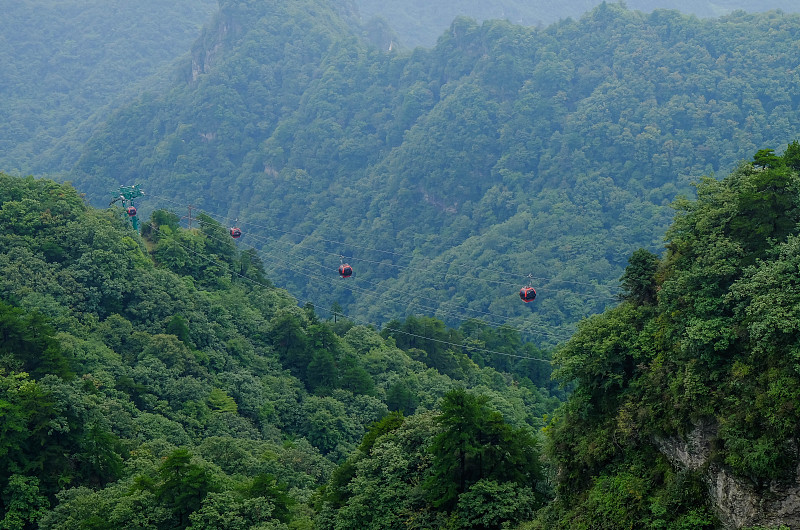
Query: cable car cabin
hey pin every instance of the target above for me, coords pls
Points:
(236, 233)
(345, 270)
(131, 211)
(528, 294)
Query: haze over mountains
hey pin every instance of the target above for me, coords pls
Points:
(504, 151)
(66, 64)
(420, 23)
(166, 379)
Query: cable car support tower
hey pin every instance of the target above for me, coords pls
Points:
(127, 194)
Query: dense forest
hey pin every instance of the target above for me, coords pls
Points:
(420, 23)
(67, 63)
(163, 382)
(703, 350)
(448, 176)
(171, 376)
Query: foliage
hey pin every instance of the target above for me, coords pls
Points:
(420, 24)
(461, 468)
(639, 279)
(446, 175)
(60, 84)
(29, 344)
(474, 445)
(23, 502)
(716, 346)
(184, 485)
(69, 63)
(170, 384)
(164, 382)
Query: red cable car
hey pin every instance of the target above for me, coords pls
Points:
(528, 294)
(345, 270)
(131, 211)
(236, 233)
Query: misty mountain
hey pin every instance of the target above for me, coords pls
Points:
(137, 367)
(420, 23)
(448, 176)
(65, 64)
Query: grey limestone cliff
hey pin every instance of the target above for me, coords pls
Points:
(737, 501)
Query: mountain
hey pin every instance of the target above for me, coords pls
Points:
(684, 412)
(162, 380)
(448, 176)
(159, 379)
(420, 23)
(67, 63)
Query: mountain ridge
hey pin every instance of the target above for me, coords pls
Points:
(67, 64)
(542, 148)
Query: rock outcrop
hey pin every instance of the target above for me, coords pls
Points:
(208, 47)
(737, 502)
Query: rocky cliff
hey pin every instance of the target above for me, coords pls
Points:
(738, 502)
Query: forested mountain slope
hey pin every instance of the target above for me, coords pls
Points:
(447, 176)
(420, 23)
(65, 62)
(162, 382)
(684, 412)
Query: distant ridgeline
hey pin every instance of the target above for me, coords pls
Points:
(161, 381)
(447, 176)
(420, 22)
(685, 409)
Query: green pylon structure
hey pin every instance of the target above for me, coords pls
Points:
(127, 194)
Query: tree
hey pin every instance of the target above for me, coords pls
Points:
(399, 397)
(23, 504)
(475, 444)
(183, 486)
(336, 311)
(162, 223)
(767, 159)
(355, 378)
(252, 267)
(220, 401)
(431, 336)
(178, 326)
(322, 373)
(387, 424)
(791, 157)
(227, 511)
(27, 444)
(639, 280)
(381, 488)
(488, 505)
(289, 340)
(267, 486)
(767, 208)
(30, 340)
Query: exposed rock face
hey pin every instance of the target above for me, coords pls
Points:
(735, 500)
(208, 47)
